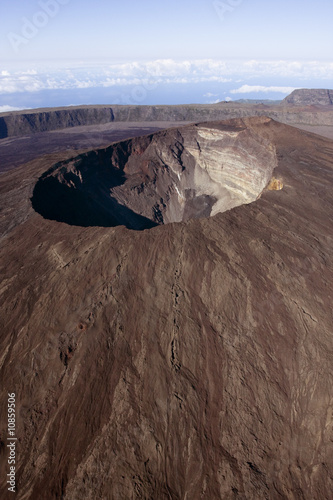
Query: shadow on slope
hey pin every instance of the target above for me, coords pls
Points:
(82, 204)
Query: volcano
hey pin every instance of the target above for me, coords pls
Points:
(166, 316)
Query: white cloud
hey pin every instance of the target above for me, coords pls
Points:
(290, 69)
(245, 89)
(29, 72)
(165, 71)
(214, 101)
(5, 108)
(149, 74)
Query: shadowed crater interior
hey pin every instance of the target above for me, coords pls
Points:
(86, 201)
(170, 176)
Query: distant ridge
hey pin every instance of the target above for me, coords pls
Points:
(307, 97)
(26, 122)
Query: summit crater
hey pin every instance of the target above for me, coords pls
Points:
(170, 176)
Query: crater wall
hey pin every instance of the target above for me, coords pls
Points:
(170, 176)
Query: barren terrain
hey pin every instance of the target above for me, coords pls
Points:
(189, 360)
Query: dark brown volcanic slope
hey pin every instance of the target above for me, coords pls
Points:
(192, 360)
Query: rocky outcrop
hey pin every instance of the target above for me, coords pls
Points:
(308, 97)
(170, 176)
(190, 360)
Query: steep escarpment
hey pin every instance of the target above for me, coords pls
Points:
(30, 122)
(170, 176)
(26, 123)
(34, 121)
(190, 360)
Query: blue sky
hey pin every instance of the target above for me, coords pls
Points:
(175, 51)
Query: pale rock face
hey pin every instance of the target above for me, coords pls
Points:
(173, 176)
(223, 171)
(236, 176)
